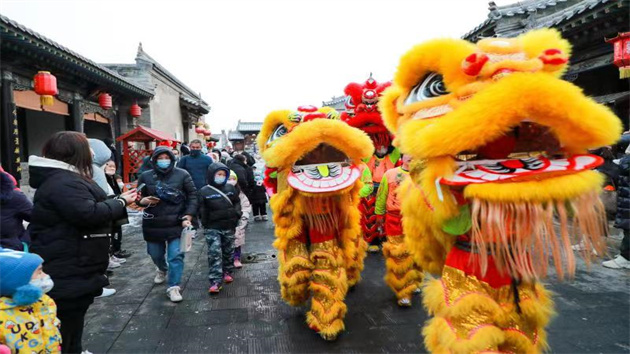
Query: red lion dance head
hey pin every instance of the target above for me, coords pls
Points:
(362, 111)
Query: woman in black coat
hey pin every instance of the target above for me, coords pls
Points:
(170, 199)
(15, 208)
(70, 228)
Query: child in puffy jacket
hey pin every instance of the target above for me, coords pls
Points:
(28, 317)
(246, 209)
(259, 199)
(220, 214)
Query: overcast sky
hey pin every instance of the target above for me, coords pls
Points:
(248, 58)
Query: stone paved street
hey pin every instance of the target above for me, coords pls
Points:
(249, 316)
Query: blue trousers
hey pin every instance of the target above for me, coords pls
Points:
(168, 252)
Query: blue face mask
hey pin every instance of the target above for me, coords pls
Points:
(195, 153)
(163, 164)
(219, 179)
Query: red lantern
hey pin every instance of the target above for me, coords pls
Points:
(105, 100)
(135, 110)
(621, 59)
(199, 130)
(46, 87)
(207, 132)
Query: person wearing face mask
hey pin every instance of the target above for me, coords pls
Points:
(246, 210)
(28, 316)
(196, 164)
(116, 183)
(220, 214)
(170, 201)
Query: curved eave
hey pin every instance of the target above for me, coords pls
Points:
(41, 50)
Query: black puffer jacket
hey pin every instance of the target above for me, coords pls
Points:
(622, 220)
(14, 209)
(245, 176)
(69, 225)
(216, 211)
(163, 221)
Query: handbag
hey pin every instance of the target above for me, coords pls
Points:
(186, 239)
(168, 193)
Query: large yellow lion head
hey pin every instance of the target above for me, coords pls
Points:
(495, 120)
(314, 151)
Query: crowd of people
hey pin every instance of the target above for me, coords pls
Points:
(52, 270)
(56, 251)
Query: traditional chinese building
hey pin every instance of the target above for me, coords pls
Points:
(336, 102)
(586, 24)
(244, 137)
(175, 108)
(26, 123)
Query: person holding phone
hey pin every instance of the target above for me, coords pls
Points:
(71, 225)
(169, 197)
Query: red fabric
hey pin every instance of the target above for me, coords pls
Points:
(468, 263)
(393, 224)
(318, 237)
(269, 182)
(368, 219)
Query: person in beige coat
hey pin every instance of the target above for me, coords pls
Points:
(246, 208)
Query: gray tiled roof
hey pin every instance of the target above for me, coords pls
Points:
(610, 98)
(334, 100)
(249, 126)
(15, 32)
(234, 135)
(524, 9)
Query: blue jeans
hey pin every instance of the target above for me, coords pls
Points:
(220, 253)
(170, 248)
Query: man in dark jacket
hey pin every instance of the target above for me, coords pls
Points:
(244, 173)
(15, 208)
(622, 219)
(196, 164)
(220, 213)
(170, 199)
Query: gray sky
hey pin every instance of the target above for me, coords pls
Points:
(248, 58)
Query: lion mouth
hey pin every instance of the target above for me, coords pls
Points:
(529, 151)
(322, 170)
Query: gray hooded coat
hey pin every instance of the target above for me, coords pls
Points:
(102, 154)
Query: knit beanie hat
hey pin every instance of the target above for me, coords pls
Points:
(16, 270)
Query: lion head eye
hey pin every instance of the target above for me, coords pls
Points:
(431, 86)
(278, 133)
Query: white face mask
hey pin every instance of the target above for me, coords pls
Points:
(45, 283)
(232, 182)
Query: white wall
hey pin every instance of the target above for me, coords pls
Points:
(166, 114)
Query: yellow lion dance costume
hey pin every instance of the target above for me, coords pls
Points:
(318, 231)
(500, 143)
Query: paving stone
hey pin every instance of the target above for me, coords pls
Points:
(249, 315)
(180, 319)
(99, 342)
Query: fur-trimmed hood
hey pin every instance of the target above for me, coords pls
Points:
(40, 169)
